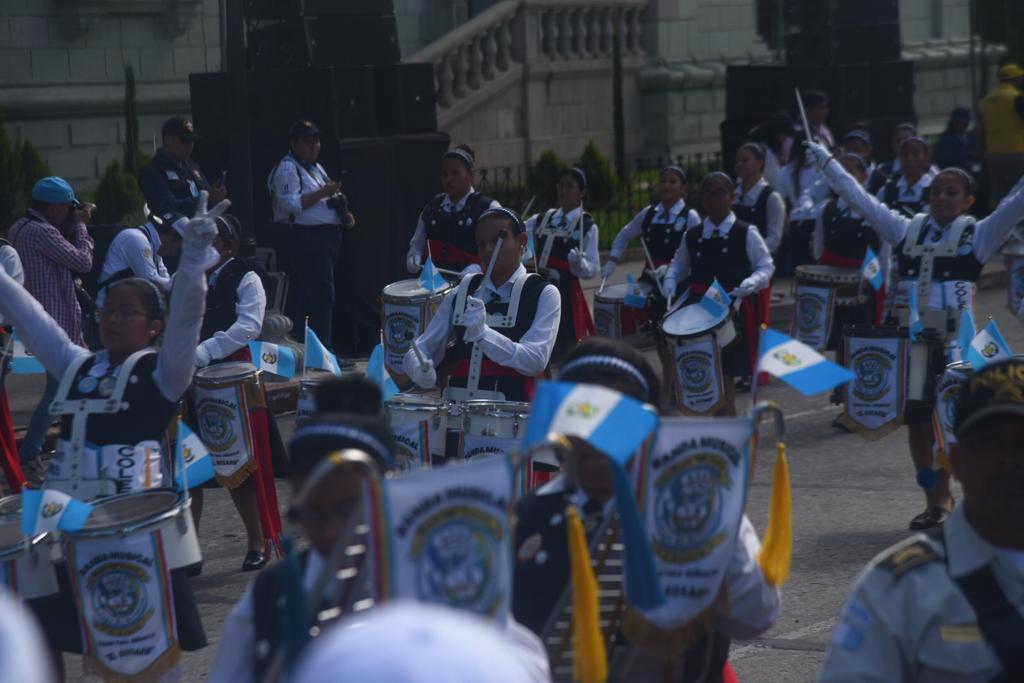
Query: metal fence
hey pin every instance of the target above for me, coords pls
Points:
(612, 200)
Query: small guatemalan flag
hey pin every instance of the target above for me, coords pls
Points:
(634, 299)
(987, 347)
(916, 326)
(317, 355)
(273, 358)
(49, 510)
(799, 365)
(716, 300)
(22, 360)
(377, 371)
(192, 458)
(871, 269)
(430, 279)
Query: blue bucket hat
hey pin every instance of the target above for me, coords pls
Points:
(53, 190)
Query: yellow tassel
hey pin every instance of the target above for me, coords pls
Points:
(778, 539)
(589, 660)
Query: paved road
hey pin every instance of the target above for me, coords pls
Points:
(851, 498)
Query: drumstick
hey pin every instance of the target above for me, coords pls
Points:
(410, 337)
(803, 115)
(601, 288)
(650, 262)
(502, 234)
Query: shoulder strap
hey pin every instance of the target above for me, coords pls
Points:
(912, 554)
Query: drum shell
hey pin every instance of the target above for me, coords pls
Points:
(724, 331)
(408, 409)
(220, 375)
(613, 318)
(403, 312)
(847, 282)
(505, 419)
(922, 368)
(33, 558)
(171, 515)
(305, 406)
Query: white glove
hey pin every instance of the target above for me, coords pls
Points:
(475, 319)
(820, 153)
(414, 262)
(202, 356)
(659, 272)
(608, 268)
(744, 289)
(471, 269)
(423, 374)
(669, 286)
(574, 256)
(200, 230)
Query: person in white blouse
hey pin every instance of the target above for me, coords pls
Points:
(805, 192)
(733, 252)
(565, 244)
(958, 247)
(9, 460)
(907, 191)
(504, 329)
(140, 251)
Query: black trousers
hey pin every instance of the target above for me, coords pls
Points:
(312, 255)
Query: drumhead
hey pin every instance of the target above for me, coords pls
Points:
(415, 402)
(497, 409)
(691, 321)
(129, 508)
(616, 293)
(819, 272)
(410, 291)
(225, 373)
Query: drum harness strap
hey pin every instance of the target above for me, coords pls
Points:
(494, 320)
(913, 247)
(543, 231)
(81, 409)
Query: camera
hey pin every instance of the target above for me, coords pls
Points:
(339, 202)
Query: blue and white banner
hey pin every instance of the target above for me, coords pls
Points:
(273, 358)
(193, 458)
(871, 269)
(988, 346)
(23, 362)
(430, 279)
(317, 355)
(451, 538)
(47, 510)
(876, 398)
(813, 312)
(377, 371)
(699, 382)
(799, 365)
(914, 314)
(634, 295)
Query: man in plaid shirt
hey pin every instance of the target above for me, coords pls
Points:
(54, 245)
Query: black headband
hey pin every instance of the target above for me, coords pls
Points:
(969, 181)
(756, 148)
(158, 297)
(581, 177)
(857, 159)
(502, 212)
(677, 169)
(374, 446)
(227, 228)
(717, 175)
(460, 154)
(915, 138)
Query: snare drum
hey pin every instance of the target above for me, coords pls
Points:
(1013, 255)
(130, 514)
(407, 309)
(613, 318)
(497, 428)
(418, 427)
(26, 563)
(697, 338)
(846, 282)
(222, 396)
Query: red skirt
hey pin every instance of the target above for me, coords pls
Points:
(10, 461)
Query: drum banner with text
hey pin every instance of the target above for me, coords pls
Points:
(412, 444)
(399, 323)
(223, 416)
(699, 382)
(944, 413)
(876, 398)
(812, 315)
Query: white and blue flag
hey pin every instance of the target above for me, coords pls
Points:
(317, 355)
(430, 279)
(916, 326)
(966, 332)
(634, 299)
(871, 269)
(377, 371)
(192, 458)
(716, 300)
(799, 365)
(273, 358)
(22, 360)
(50, 510)
(988, 346)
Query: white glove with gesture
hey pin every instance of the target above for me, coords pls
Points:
(199, 233)
(423, 374)
(475, 319)
(574, 256)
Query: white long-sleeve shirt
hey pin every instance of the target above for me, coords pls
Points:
(588, 266)
(250, 307)
(757, 252)
(906, 192)
(11, 264)
(808, 199)
(528, 356)
(135, 250)
(291, 179)
(418, 243)
(633, 229)
(775, 209)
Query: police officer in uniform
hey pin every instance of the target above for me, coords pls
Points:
(172, 181)
(947, 604)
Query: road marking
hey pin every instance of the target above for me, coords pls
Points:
(816, 411)
(797, 634)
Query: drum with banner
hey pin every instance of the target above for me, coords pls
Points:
(26, 562)
(497, 428)
(1013, 255)
(820, 291)
(419, 428)
(406, 310)
(222, 394)
(613, 318)
(697, 338)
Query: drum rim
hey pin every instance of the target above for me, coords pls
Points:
(483, 405)
(426, 296)
(226, 380)
(848, 276)
(183, 504)
(604, 298)
(22, 547)
(726, 318)
(407, 403)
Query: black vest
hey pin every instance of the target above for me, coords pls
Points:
(891, 198)
(717, 257)
(457, 229)
(145, 419)
(185, 172)
(757, 214)
(560, 250)
(663, 239)
(944, 268)
(514, 387)
(222, 297)
(847, 236)
(565, 242)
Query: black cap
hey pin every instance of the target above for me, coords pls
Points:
(998, 389)
(180, 126)
(303, 128)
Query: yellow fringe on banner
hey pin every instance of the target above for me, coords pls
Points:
(778, 539)
(589, 659)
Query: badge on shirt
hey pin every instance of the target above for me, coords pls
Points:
(87, 384)
(529, 548)
(106, 386)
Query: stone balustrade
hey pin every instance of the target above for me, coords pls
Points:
(517, 32)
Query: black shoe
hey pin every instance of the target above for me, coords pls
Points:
(743, 385)
(254, 559)
(933, 516)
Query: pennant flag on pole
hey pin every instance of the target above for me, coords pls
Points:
(633, 298)
(193, 458)
(378, 372)
(966, 333)
(49, 510)
(916, 326)
(317, 355)
(988, 346)
(716, 300)
(430, 279)
(871, 269)
(617, 426)
(777, 551)
(22, 360)
(273, 358)
(799, 365)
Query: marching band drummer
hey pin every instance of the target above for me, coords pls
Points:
(907, 191)
(504, 329)
(445, 228)
(146, 385)
(566, 244)
(732, 251)
(10, 463)
(805, 193)
(945, 227)
(891, 169)
(235, 305)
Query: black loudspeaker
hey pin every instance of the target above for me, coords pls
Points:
(406, 100)
(332, 41)
(355, 102)
(291, 9)
(841, 31)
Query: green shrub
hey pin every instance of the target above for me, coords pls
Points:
(602, 182)
(543, 180)
(21, 166)
(118, 197)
